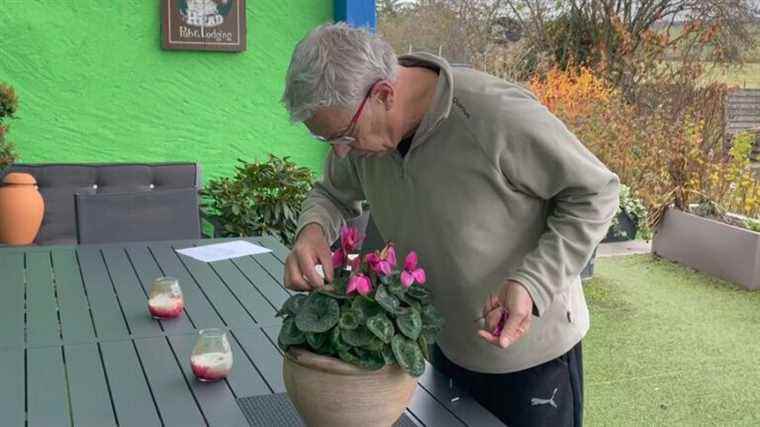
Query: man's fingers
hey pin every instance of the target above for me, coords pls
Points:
(293, 278)
(308, 269)
(514, 328)
(494, 318)
(491, 303)
(325, 258)
(489, 337)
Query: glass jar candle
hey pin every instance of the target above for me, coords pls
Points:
(211, 359)
(165, 299)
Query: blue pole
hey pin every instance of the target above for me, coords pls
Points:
(357, 13)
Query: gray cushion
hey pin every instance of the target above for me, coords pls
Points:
(59, 182)
(138, 216)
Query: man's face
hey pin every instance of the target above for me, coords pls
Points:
(365, 131)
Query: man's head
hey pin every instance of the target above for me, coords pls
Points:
(340, 83)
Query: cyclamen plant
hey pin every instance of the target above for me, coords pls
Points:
(372, 315)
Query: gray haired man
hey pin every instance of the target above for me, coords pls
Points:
(500, 200)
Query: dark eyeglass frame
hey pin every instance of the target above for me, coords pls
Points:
(342, 138)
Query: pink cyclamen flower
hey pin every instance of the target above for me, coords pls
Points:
(339, 259)
(350, 239)
(359, 283)
(411, 273)
(383, 262)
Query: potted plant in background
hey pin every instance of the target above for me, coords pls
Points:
(262, 198)
(21, 205)
(353, 351)
(630, 220)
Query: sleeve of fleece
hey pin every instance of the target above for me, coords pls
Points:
(334, 199)
(542, 158)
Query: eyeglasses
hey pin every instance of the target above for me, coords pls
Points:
(342, 138)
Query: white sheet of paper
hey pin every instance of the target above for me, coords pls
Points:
(226, 250)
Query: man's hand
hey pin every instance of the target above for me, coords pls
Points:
(311, 248)
(507, 315)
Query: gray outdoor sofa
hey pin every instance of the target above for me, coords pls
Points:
(141, 197)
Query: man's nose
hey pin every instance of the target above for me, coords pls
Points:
(341, 150)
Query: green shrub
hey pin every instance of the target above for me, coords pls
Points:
(260, 199)
(8, 106)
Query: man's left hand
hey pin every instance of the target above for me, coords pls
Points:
(507, 315)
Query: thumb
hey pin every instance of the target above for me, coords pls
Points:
(514, 329)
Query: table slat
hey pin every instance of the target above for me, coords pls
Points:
(147, 270)
(279, 250)
(12, 387)
(199, 309)
(264, 355)
(176, 402)
(248, 295)
(426, 409)
(274, 267)
(42, 307)
(76, 323)
(129, 390)
(215, 399)
(134, 301)
(46, 387)
(106, 312)
(245, 380)
(90, 397)
(275, 294)
(217, 293)
(12, 300)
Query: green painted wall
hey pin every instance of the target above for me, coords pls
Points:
(95, 85)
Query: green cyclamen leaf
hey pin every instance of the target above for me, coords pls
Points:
(410, 323)
(390, 303)
(372, 360)
(390, 359)
(381, 327)
(374, 344)
(358, 337)
(349, 320)
(365, 307)
(337, 343)
(290, 334)
(430, 332)
(420, 293)
(424, 346)
(396, 288)
(349, 357)
(408, 355)
(431, 316)
(316, 341)
(411, 302)
(318, 313)
(333, 294)
(292, 305)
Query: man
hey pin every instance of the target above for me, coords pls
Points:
(502, 203)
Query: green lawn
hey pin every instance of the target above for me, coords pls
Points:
(746, 76)
(669, 346)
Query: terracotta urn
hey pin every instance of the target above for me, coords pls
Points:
(21, 209)
(328, 392)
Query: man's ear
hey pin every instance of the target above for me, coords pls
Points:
(385, 93)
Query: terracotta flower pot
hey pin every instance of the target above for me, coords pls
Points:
(21, 209)
(328, 392)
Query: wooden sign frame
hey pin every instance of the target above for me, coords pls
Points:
(210, 25)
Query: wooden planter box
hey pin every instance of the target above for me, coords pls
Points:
(721, 250)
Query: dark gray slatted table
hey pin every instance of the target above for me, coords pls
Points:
(77, 346)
